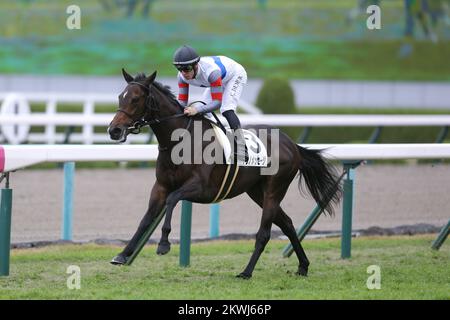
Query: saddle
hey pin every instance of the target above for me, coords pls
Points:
(255, 150)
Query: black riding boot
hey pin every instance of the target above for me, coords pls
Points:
(239, 142)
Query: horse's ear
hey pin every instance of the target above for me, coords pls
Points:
(149, 80)
(126, 76)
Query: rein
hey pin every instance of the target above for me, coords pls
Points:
(218, 122)
(136, 127)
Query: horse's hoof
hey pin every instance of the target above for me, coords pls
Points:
(243, 275)
(118, 260)
(302, 271)
(163, 248)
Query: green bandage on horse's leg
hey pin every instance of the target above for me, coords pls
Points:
(143, 240)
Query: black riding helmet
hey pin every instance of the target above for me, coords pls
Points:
(185, 55)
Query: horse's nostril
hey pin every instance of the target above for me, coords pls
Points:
(115, 132)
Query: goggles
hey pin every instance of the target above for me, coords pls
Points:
(185, 68)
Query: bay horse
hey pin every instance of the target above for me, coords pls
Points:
(145, 100)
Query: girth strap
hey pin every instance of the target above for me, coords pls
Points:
(227, 183)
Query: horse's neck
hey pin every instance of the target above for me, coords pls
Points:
(163, 131)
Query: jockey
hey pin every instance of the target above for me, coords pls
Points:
(223, 78)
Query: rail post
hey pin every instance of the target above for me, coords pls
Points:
(67, 214)
(185, 233)
(214, 216)
(5, 226)
(347, 208)
(437, 243)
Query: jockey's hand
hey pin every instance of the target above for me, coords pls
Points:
(190, 111)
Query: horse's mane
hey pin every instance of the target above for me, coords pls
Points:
(166, 90)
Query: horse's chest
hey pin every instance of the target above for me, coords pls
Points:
(171, 179)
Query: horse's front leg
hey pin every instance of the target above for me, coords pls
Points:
(156, 204)
(189, 189)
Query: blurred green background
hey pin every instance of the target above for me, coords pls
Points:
(312, 39)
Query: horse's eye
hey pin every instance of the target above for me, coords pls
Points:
(135, 99)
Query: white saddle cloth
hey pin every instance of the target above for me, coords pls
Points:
(257, 153)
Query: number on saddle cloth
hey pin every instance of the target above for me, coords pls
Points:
(256, 151)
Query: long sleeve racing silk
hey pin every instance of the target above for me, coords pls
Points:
(213, 73)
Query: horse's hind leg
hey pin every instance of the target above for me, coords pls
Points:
(270, 209)
(283, 221)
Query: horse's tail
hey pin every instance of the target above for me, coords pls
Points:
(321, 179)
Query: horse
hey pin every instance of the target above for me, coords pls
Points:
(147, 101)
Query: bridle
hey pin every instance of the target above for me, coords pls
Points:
(150, 106)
